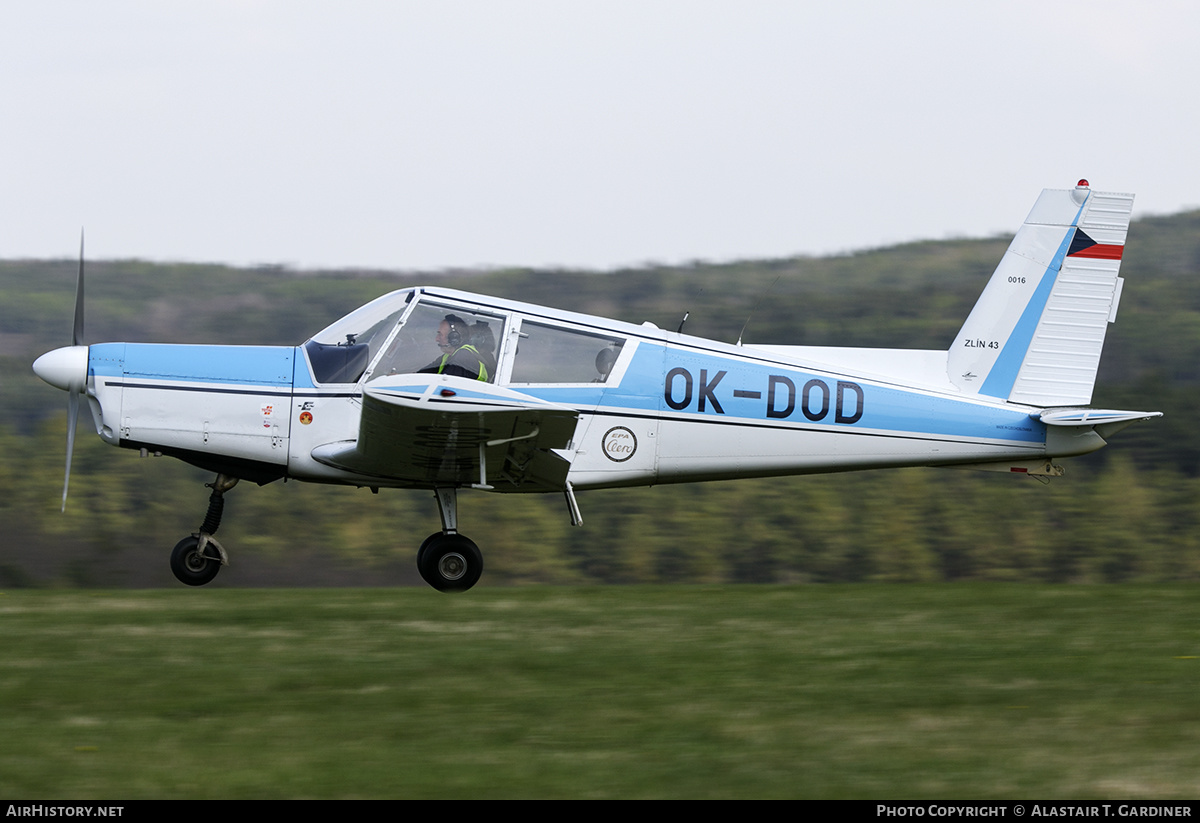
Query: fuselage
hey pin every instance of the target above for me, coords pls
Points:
(653, 406)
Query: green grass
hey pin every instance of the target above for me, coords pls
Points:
(873, 691)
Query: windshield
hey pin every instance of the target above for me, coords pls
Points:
(367, 322)
(340, 353)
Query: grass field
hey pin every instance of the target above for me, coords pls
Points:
(874, 691)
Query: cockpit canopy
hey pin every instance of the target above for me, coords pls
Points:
(398, 334)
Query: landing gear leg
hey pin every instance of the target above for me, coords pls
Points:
(447, 560)
(196, 559)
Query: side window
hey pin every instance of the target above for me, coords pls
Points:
(426, 338)
(551, 354)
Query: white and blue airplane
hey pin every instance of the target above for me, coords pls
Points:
(532, 399)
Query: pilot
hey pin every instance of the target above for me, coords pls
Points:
(459, 357)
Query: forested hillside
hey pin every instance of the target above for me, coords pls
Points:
(1127, 512)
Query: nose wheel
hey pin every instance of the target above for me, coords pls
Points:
(197, 558)
(191, 564)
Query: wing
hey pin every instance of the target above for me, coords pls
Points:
(436, 430)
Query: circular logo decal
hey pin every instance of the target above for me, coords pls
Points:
(305, 417)
(619, 444)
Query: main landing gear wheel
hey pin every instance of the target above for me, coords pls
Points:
(190, 566)
(450, 562)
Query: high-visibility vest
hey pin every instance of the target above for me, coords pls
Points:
(483, 372)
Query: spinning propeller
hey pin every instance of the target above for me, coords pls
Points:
(67, 368)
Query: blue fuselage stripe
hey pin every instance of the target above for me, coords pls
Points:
(703, 387)
(665, 381)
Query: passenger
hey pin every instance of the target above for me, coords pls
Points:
(485, 342)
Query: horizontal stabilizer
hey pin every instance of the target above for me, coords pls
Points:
(1092, 417)
(1104, 422)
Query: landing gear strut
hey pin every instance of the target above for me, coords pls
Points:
(197, 558)
(447, 560)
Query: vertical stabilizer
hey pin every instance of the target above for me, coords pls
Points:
(1036, 334)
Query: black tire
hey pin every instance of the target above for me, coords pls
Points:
(421, 551)
(450, 562)
(190, 566)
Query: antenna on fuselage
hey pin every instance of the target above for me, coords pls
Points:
(686, 315)
(756, 307)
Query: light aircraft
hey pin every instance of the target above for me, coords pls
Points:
(533, 399)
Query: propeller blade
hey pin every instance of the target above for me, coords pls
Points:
(72, 418)
(77, 332)
(73, 398)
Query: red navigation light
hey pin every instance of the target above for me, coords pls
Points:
(447, 393)
(1082, 184)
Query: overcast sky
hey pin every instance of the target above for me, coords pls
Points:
(424, 135)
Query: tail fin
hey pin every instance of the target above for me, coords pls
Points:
(1036, 334)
